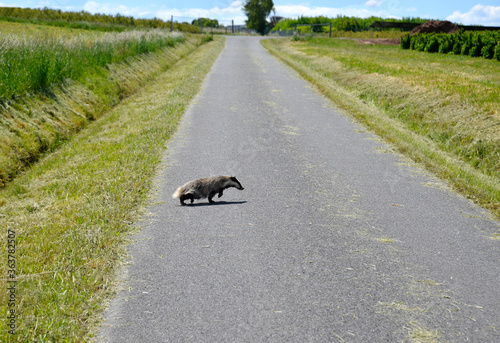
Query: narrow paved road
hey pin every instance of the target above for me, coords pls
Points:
(335, 237)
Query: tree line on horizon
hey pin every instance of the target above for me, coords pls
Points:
(257, 12)
(341, 22)
(102, 22)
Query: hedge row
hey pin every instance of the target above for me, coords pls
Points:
(468, 43)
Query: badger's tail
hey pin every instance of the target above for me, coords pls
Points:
(178, 193)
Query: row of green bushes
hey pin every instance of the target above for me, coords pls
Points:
(30, 64)
(476, 44)
(339, 23)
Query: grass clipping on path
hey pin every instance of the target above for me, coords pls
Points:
(71, 211)
(440, 110)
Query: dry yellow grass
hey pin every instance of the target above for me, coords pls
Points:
(7, 27)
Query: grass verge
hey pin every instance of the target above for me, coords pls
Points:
(35, 124)
(441, 110)
(70, 214)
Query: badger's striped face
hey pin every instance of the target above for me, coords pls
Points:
(233, 182)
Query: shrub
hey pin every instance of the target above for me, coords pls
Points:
(457, 48)
(475, 51)
(432, 45)
(405, 42)
(465, 49)
(488, 50)
(475, 44)
(446, 45)
(496, 54)
(420, 43)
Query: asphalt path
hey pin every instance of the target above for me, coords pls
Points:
(334, 238)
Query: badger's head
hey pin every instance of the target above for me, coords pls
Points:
(233, 182)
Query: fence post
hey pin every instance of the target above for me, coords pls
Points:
(330, 30)
(232, 25)
(172, 24)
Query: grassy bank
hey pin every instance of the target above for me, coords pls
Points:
(441, 110)
(54, 86)
(33, 63)
(72, 211)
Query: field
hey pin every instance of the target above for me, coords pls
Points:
(67, 212)
(441, 110)
(33, 30)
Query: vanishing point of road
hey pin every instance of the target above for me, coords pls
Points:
(335, 238)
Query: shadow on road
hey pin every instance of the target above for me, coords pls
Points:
(215, 203)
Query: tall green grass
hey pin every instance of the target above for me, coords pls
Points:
(31, 64)
(55, 92)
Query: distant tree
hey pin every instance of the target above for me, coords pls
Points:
(257, 11)
(205, 22)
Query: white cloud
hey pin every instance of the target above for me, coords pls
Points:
(224, 15)
(373, 3)
(233, 11)
(227, 10)
(479, 14)
(94, 7)
(294, 11)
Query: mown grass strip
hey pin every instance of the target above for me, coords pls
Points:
(73, 210)
(396, 111)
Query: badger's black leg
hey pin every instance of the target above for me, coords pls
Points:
(220, 193)
(186, 197)
(182, 198)
(210, 196)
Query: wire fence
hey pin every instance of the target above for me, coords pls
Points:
(212, 26)
(306, 29)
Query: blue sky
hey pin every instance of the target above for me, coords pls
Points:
(484, 12)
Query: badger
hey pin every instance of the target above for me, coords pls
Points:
(206, 188)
